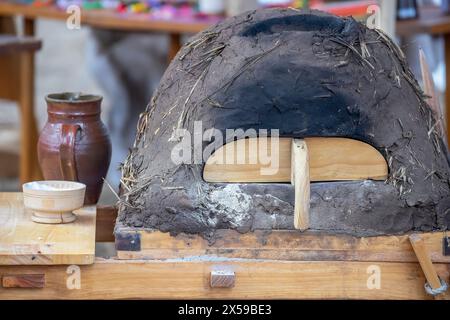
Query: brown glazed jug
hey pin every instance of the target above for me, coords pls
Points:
(74, 144)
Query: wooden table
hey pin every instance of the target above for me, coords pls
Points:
(17, 84)
(116, 21)
(24, 242)
(434, 22)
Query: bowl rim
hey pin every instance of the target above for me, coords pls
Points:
(76, 186)
(80, 97)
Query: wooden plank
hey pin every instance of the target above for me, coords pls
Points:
(109, 279)
(423, 256)
(30, 168)
(23, 242)
(17, 83)
(9, 65)
(9, 164)
(24, 281)
(29, 165)
(104, 226)
(330, 159)
(109, 19)
(13, 45)
(300, 180)
(9, 77)
(175, 45)
(276, 245)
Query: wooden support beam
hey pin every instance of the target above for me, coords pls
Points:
(29, 167)
(174, 45)
(300, 181)
(275, 245)
(106, 220)
(112, 279)
(423, 256)
(17, 83)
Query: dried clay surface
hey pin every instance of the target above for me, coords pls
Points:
(307, 74)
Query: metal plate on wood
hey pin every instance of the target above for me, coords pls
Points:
(222, 279)
(446, 246)
(128, 241)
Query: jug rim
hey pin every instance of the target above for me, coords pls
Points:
(72, 97)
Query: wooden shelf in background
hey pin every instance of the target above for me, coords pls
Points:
(111, 20)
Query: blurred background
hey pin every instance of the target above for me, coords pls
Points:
(120, 50)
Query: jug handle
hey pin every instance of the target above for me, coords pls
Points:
(67, 151)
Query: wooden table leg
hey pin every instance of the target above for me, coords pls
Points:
(174, 45)
(447, 78)
(28, 27)
(9, 65)
(29, 167)
(7, 25)
(27, 120)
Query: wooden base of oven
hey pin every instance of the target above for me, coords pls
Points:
(178, 279)
(260, 265)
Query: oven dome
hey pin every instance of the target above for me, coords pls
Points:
(306, 74)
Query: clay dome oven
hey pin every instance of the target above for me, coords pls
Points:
(306, 74)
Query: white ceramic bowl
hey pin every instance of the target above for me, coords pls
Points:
(53, 201)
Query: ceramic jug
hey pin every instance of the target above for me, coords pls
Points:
(74, 144)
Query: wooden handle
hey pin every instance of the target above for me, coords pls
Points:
(67, 151)
(300, 180)
(426, 264)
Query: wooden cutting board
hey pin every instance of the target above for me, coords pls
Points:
(24, 242)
